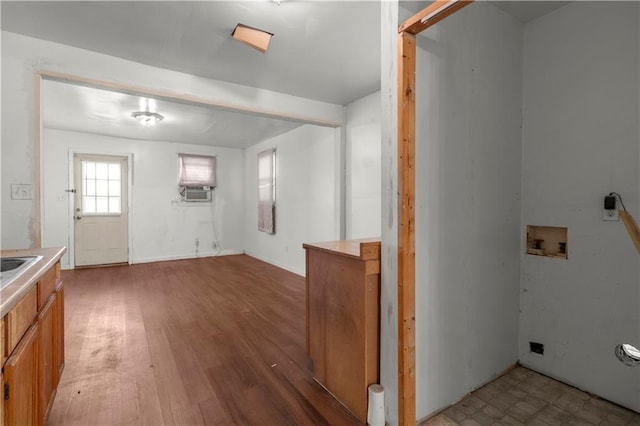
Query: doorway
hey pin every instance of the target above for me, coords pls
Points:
(100, 209)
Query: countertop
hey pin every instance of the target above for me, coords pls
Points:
(11, 295)
(364, 248)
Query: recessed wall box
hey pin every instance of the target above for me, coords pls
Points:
(548, 241)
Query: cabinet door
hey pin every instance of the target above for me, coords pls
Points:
(20, 381)
(1, 401)
(58, 339)
(46, 365)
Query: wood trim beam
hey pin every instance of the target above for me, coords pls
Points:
(432, 14)
(36, 226)
(173, 96)
(632, 228)
(406, 229)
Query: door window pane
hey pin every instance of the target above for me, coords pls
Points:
(114, 171)
(89, 187)
(114, 188)
(102, 204)
(102, 170)
(89, 204)
(114, 204)
(101, 187)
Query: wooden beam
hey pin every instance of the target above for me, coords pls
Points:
(406, 230)
(432, 14)
(429, 16)
(632, 228)
(36, 226)
(160, 93)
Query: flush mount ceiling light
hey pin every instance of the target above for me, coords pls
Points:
(258, 39)
(147, 117)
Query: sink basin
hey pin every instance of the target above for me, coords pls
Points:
(12, 267)
(11, 263)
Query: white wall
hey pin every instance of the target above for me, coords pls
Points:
(581, 141)
(23, 56)
(468, 165)
(306, 196)
(161, 228)
(363, 167)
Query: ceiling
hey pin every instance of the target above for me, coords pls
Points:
(90, 110)
(526, 11)
(322, 49)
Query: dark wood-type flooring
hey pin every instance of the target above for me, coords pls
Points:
(189, 342)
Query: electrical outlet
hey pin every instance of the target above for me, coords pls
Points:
(536, 348)
(610, 215)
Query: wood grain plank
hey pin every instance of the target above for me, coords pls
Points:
(197, 342)
(431, 15)
(632, 228)
(20, 318)
(406, 229)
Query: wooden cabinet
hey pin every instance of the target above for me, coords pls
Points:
(20, 318)
(343, 318)
(3, 349)
(46, 357)
(20, 381)
(46, 285)
(32, 337)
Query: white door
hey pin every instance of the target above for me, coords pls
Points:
(100, 210)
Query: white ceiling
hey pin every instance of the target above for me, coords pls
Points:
(526, 11)
(103, 112)
(323, 50)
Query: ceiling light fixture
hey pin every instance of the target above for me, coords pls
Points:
(258, 39)
(147, 117)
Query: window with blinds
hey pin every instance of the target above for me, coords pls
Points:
(197, 171)
(266, 191)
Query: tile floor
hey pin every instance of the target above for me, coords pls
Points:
(524, 397)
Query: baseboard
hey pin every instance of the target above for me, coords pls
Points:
(185, 256)
(274, 263)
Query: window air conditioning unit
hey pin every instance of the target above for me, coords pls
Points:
(197, 194)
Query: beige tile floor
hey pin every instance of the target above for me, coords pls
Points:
(524, 397)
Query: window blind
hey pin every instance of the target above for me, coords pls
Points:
(197, 170)
(266, 190)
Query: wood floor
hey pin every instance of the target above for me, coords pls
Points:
(189, 342)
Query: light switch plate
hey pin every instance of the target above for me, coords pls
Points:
(21, 191)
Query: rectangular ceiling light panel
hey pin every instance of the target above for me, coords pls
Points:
(253, 37)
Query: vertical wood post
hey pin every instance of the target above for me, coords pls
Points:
(36, 226)
(432, 14)
(406, 229)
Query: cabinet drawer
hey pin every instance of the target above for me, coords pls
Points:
(46, 286)
(20, 318)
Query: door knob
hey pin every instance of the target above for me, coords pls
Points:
(78, 217)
